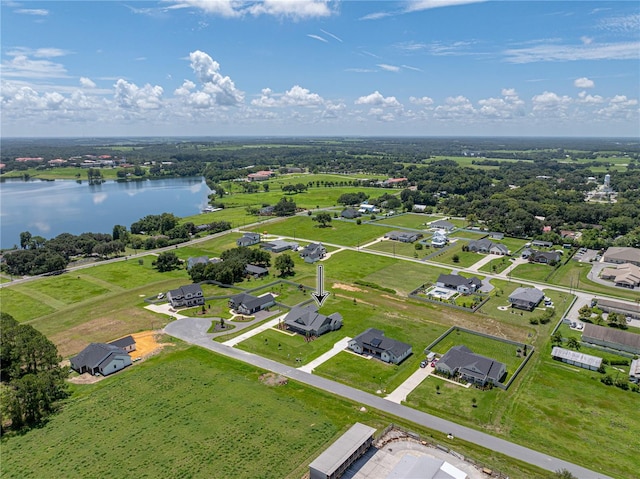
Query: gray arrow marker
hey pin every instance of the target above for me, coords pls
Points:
(320, 296)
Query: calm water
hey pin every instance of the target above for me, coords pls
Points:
(48, 208)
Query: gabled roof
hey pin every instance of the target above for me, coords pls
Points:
(95, 354)
(193, 289)
(251, 302)
(123, 342)
(376, 338)
(253, 269)
(463, 359)
(442, 224)
(622, 254)
(194, 260)
(457, 280)
(529, 295)
(575, 356)
(307, 318)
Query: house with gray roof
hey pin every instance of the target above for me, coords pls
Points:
(248, 239)
(278, 246)
(373, 342)
(307, 321)
(100, 358)
(487, 246)
(459, 283)
(313, 252)
(576, 358)
(542, 244)
(442, 224)
(127, 343)
(333, 462)
(612, 338)
(245, 303)
(627, 309)
(471, 367)
(526, 298)
(350, 213)
(403, 236)
(192, 261)
(255, 271)
(188, 295)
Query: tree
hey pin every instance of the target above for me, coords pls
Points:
(284, 207)
(437, 389)
(33, 380)
(455, 258)
(474, 402)
(25, 239)
(265, 187)
(323, 219)
(573, 343)
(167, 261)
(564, 474)
(285, 265)
(556, 338)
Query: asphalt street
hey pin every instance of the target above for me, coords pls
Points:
(194, 331)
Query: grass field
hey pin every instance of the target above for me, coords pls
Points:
(497, 265)
(399, 248)
(410, 220)
(230, 424)
(472, 235)
(493, 348)
(465, 258)
(339, 232)
(533, 271)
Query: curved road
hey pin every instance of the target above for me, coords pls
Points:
(194, 331)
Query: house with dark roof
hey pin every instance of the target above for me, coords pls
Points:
(459, 283)
(100, 358)
(611, 338)
(248, 239)
(127, 343)
(245, 303)
(620, 307)
(350, 213)
(542, 257)
(278, 246)
(526, 298)
(313, 252)
(267, 210)
(496, 235)
(487, 246)
(188, 295)
(194, 260)
(373, 342)
(307, 321)
(471, 367)
(255, 271)
(403, 236)
(442, 224)
(542, 244)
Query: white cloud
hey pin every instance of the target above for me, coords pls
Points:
(586, 40)
(21, 66)
(38, 52)
(295, 97)
(376, 99)
(335, 37)
(389, 68)
(458, 107)
(509, 106)
(591, 99)
(293, 9)
(409, 67)
(422, 101)
(419, 5)
(38, 12)
(87, 83)
(549, 101)
(130, 96)
(565, 53)
(220, 88)
(620, 108)
(317, 37)
(623, 24)
(583, 82)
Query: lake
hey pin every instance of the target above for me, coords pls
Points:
(49, 208)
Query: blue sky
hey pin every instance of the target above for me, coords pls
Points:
(316, 67)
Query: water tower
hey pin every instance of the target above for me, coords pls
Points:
(607, 180)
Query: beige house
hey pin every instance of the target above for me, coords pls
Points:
(626, 275)
(621, 255)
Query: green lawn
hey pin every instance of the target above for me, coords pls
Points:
(533, 272)
(465, 258)
(410, 220)
(210, 434)
(500, 264)
(399, 248)
(472, 235)
(21, 305)
(339, 232)
(131, 274)
(493, 348)
(405, 276)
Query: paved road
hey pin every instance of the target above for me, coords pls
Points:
(194, 331)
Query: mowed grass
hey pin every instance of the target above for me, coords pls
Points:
(338, 232)
(230, 424)
(405, 276)
(497, 265)
(532, 271)
(398, 248)
(410, 220)
(132, 274)
(22, 306)
(493, 348)
(465, 258)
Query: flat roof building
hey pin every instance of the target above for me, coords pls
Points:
(575, 358)
(333, 462)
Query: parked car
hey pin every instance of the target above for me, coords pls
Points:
(423, 364)
(160, 295)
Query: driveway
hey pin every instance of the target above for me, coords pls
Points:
(400, 393)
(193, 330)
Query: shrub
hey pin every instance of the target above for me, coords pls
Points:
(358, 221)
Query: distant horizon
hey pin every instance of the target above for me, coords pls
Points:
(320, 68)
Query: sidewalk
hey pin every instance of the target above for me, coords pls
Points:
(400, 393)
(263, 327)
(337, 347)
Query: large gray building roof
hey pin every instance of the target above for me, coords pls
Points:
(250, 301)
(123, 342)
(307, 318)
(577, 357)
(94, 355)
(338, 452)
(376, 338)
(462, 358)
(457, 280)
(610, 335)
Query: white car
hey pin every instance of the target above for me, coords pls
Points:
(160, 295)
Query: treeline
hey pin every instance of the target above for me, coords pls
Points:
(232, 267)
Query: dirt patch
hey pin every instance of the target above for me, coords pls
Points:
(272, 379)
(85, 378)
(347, 287)
(358, 301)
(147, 343)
